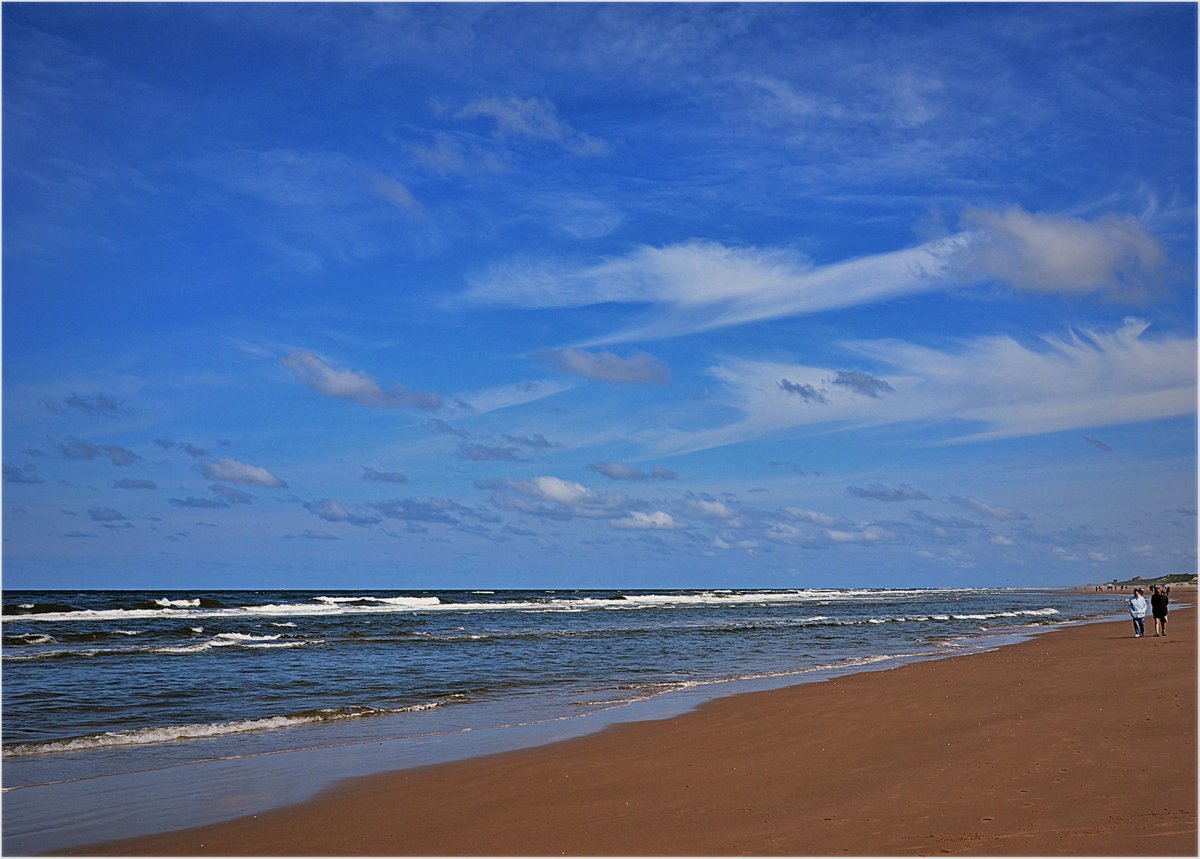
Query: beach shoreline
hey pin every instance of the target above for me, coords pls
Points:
(1038, 748)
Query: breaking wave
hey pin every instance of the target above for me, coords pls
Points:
(174, 733)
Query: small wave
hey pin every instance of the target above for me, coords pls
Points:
(29, 638)
(56, 654)
(174, 733)
(38, 608)
(223, 640)
(406, 602)
(943, 618)
(236, 637)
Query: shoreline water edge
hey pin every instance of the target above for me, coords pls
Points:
(59, 797)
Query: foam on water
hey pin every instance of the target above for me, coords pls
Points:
(366, 604)
(173, 733)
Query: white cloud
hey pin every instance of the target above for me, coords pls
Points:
(701, 285)
(1052, 254)
(1085, 379)
(657, 521)
(746, 545)
(554, 498)
(562, 491)
(814, 517)
(354, 385)
(701, 509)
(704, 285)
(333, 511)
(233, 471)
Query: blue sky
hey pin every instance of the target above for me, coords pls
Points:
(595, 295)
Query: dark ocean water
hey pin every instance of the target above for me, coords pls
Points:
(103, 683)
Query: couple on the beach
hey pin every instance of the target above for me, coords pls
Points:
(1158, 607)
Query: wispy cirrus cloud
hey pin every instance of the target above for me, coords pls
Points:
(100, 405)
(502, 397)
(488, 453)
(992, 511)
(308, 207)
(703, 285)
(533, 119)
(996, 387)
(637, 369)
(700, 285)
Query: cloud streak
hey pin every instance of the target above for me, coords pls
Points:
(879, 492)
(703, 285)
(623, 471)
(698, 285)
(638, 369)
(354, 386)
(995, 387)
(532, 119)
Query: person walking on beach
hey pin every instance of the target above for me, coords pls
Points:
(1158, 607)
(1137, 610)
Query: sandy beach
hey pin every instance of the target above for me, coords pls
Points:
(1080, 742)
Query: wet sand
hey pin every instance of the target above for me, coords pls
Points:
(1080, 742)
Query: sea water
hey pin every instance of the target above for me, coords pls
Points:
(130, 712)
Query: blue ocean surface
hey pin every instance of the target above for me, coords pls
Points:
(165, 697)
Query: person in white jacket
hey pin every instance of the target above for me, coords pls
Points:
(1137, 610)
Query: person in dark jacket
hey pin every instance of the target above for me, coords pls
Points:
(1158, 607)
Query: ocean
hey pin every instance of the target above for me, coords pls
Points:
(204, 705)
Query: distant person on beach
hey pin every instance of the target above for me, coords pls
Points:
(1158, 607)
(1137, 610)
